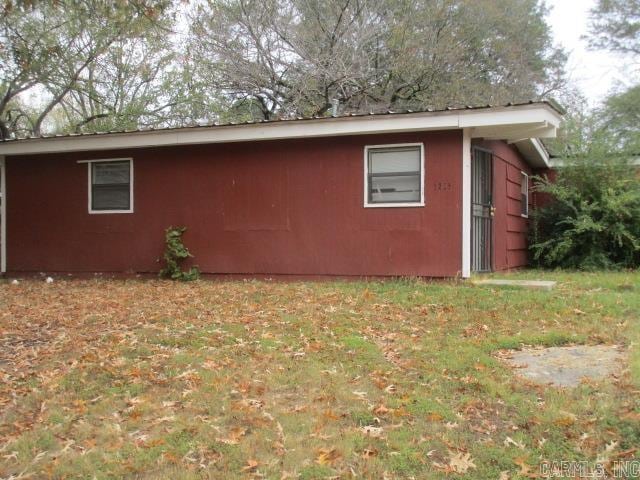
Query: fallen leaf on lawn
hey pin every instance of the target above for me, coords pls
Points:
(11, 456)
(391, 389)
(279, 448)
(443, 467)
(170, 457)
(327, 456)
(604, 456)
(510, 441)
(526, 470)
(211, 365)
(381, 410)
(374, 432)
(566, 420)
(250, 466)
(234, 436)
(170, 418)
(461, 462)
(626, 453)
(504, 475)
(369, 453)
(330, 415)
(434, 417)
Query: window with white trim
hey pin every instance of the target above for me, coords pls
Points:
(110, 186)
(394, 175)
(524, 194)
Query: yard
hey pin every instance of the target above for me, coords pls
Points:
(238, 379)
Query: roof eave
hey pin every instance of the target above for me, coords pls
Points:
(515, 121)
(534, 152)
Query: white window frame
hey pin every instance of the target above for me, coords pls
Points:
(367, 204)
(524, 179)
(90, 180)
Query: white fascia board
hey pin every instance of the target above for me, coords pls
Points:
(561, 162)
(534, 152)
(236, 133)
(522, 116)
(541, 151)
(516, 134)
(290, 129)
(466, 203)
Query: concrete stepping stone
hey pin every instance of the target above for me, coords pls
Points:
(533, 284)
(567, 366)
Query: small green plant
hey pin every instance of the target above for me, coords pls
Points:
(174, 254)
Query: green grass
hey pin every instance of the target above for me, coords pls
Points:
(153, 379)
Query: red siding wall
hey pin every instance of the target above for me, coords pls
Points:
(509, 227)
(277, 207)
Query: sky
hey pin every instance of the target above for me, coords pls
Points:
(595, 73)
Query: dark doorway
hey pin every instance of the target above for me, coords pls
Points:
(481, 210)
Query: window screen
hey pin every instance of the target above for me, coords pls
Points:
(524, 195)
(111, 185)
(394, 175)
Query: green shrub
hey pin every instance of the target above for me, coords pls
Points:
(174, 254)
(593, 218)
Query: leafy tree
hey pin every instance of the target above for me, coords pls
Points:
(593, 218)
(615, 26)
(293, 57)
(55, 49)
(87, 65)
(619, 119)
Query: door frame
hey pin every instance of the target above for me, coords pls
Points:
(492, 209)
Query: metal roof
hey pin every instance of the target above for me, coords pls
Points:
(555, 106)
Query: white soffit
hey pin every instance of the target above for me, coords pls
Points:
(511, 122)
(534, 152)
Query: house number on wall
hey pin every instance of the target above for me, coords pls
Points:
(442, 186)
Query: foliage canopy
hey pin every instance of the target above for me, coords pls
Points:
(593, 218)
(89, 65)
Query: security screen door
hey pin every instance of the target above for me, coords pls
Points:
(482, 210)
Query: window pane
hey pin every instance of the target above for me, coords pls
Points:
(524, 185)
(394, 160)
(394, 189)
(110, 173)
(110, 197)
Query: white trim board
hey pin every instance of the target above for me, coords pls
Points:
(524, 176)
(530, 120)
(466, 203)
(561, 162)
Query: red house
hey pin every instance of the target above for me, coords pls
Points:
(431, 193)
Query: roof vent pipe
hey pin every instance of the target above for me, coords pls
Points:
(335, 105)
